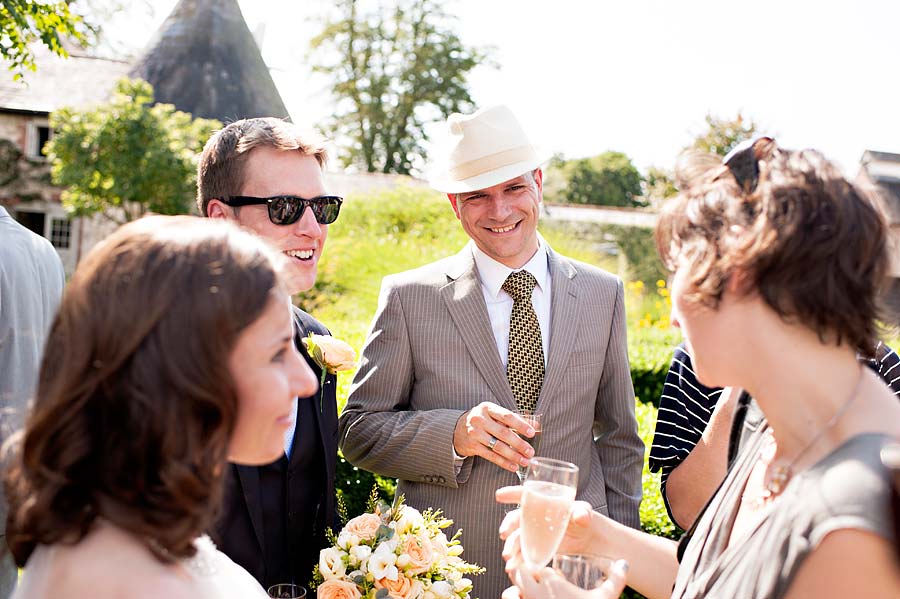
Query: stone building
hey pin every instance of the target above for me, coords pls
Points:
(203, 59)
(883, 169)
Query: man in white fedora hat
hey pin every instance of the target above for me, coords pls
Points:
(460, 346)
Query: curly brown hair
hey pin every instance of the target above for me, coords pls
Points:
(812, 244)
(135, 403)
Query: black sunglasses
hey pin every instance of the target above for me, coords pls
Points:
(743, 161)
(286, 210)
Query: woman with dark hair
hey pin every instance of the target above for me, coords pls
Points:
(778, 264)
(171, 354)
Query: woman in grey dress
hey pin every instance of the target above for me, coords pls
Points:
(778, 262)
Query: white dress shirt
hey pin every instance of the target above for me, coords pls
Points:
(289, 433)
(500, 304)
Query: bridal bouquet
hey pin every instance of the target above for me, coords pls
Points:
(394, 553)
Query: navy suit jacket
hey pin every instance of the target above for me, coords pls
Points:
(239, 531)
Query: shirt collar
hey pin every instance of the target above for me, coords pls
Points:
(493, 274)
(3, 212)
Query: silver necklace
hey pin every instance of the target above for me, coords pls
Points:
(781, 475)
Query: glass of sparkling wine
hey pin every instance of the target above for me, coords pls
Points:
(535, 421)
(549, 491)
(287, 591)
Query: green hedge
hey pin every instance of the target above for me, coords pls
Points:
(650, 353)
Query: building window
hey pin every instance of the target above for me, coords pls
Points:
(43, 136)
(33, 221)
(60, 233)
(39, 133)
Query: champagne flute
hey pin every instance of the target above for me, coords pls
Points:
(287, 591)
(584, 571)
(535, 421)
(549, 492)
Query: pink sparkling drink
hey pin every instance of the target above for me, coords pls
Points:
(549, 492)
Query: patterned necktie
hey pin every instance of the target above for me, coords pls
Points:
(525, 367)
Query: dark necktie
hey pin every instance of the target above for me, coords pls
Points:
(525, 367)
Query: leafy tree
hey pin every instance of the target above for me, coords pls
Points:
(127, 157)
(23, 22)
(608, 179)
(722, 135)
(394, 70)
(659, 185)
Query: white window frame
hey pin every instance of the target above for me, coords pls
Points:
(32, 137)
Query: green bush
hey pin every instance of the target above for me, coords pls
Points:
(353, 486)
(650, 353)
(639, 247)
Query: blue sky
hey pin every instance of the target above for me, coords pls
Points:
(587, 76)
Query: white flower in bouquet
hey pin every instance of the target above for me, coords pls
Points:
(382, 563)
(360, 554)
(394, 553)
(331, 563)
(441, 589)
(347, 540)
(410, 519)
(440, 543)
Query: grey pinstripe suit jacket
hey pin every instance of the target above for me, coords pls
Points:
(430, 356)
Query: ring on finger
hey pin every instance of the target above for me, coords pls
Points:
(492, 442)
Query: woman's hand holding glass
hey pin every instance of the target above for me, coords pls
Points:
(549, 584)
(581, 537)
(578, 538)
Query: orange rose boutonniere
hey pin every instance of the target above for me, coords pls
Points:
(331, 354)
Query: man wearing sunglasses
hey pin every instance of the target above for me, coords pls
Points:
(266, 175)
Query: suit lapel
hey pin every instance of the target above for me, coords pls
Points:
(565, 315)
(325, 414)
(249, 477)
(465, 302)
(321, 406)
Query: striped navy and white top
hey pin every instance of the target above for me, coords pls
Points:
(686, 406)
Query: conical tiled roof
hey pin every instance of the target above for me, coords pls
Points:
(204, 60)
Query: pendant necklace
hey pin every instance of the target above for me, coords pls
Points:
(781, 474)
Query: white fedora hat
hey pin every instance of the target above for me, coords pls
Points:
(486, 148)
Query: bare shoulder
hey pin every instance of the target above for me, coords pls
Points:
(848, 563)
(108, 564)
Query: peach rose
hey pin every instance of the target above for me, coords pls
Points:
(364, 526)
(402, 588)
(330, 353)
(337, 589)
(420, 553)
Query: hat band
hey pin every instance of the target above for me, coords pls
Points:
(492, 162)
